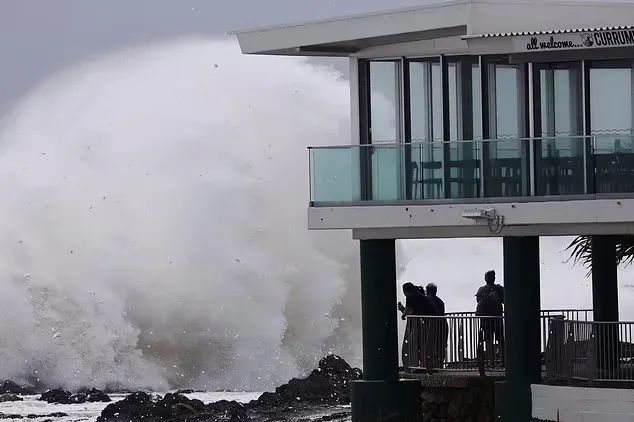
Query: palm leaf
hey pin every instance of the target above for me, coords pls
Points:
(580, 250)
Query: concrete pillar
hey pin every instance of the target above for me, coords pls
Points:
(522, 325)
(605, 302)
(378, 310)
(381, 396)
(605, 295)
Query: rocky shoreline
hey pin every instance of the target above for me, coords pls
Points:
(322, 396)
(325, 390)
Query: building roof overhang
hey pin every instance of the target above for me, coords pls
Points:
(477, 21)
(350, 34)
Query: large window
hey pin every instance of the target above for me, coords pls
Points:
(464, 105)
(560, 154)
(425, 119)
(610, 107)
(385, 129)
(384, 101)
(458, 127)
(505, 155)
(444, 104)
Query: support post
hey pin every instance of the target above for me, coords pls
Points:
(522, 330)
(605, 295)
(605, 302)
(381, 396)
(378, 311)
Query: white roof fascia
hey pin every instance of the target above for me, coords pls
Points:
(455, 45)
(373, 33)
(501, 16)
(289, 39)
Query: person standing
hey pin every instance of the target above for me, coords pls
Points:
(439, 328)
(490, 305)
(416, 303)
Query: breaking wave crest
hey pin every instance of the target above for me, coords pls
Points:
(153, 223)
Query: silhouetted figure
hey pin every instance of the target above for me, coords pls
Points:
(416, 303)
(432, 291)
(438, 329)
(490, 298)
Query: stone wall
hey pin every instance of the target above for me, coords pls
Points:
(457, 399)
(552, 403)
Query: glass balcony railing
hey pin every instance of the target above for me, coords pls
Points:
(496, 168)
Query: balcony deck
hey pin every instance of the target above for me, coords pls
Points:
(559, 186)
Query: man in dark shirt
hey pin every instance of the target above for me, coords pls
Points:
(486, 305)
(416, 304)
(490, 299)
(438, 328)
(432, 290)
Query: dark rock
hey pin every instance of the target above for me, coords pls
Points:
(133, 407)
(57, 396)
(9, 397)
(77, 398)
(10, 387)
(97, 396)
(186, 391)
(172, 407)
(329, 384)
(229, 411)
(60, 396)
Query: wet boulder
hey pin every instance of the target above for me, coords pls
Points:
(56, 396)
(136, 406)
(172, 407)
(10, 387)
(176, 405)
(9, 397)
(96, 396)
(77, 399)
(328, 385)
(229, 411)
(60, 396)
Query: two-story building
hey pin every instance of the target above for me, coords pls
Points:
(475, 118)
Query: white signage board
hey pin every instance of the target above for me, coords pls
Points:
(582, 40)
(575, 40)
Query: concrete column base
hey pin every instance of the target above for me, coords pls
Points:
(374, 401)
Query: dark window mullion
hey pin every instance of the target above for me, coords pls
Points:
(590, 162)
(526, 188)
(486, 122)
(537, 127)
(407, 131)
(365, 158)
(446, 126)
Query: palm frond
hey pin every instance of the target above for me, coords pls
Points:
(580, 250)
(625, 250)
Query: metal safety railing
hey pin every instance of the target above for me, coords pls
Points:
(465, 342)
(591, 352)
(454, 343)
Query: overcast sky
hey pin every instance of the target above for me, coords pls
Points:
(38, 37)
